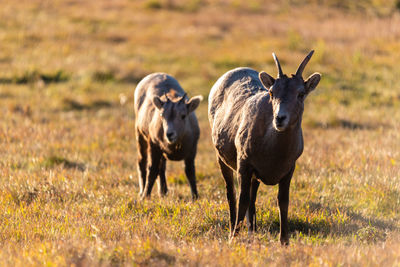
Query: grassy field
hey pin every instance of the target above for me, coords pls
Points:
(69, 188)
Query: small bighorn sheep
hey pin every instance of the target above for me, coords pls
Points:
(256, 130)
(166, 128)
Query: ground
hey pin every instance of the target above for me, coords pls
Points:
(69, 187)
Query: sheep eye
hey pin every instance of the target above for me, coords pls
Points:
(183, 117)
(270, 92)
(301, 96)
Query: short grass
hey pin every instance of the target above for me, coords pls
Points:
(68, 187)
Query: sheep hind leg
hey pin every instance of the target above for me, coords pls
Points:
(162, 182)
(142, 161)
(244, 174)
(227, 173)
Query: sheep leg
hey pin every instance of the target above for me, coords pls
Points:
(190, 172)
(162, 182)
(153, 168)
(244, 177)
(227, 173)
(283, 201)
(142, 161)
(251, 212)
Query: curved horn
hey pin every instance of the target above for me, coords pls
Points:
(183, 98)
(303, 64)
(166, 97)
(278, 65)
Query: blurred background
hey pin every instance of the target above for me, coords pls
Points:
(84, 45)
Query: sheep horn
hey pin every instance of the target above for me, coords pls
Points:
(278, 65)
(183, 98)
(303, 64)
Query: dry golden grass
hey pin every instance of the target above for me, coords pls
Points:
(68, 188)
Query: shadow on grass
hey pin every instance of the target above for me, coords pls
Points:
(103, 76)
(299, 225)
(71, 104)
(344, 124)
(357, 217)
(53, 161)
(358, 225)
(35, 76)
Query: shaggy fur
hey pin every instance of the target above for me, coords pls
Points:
(166, 128)
(256, 130)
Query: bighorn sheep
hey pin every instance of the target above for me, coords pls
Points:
(166, 128)
(257, 133)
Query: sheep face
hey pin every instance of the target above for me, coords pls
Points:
(287, 94)
(287, 98)
(174, 116)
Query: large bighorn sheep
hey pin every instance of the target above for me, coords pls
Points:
(166, 128)
(257, 133)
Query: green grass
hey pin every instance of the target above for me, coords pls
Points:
(69, 188)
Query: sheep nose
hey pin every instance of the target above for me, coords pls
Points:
(280, 119)
(170, 135)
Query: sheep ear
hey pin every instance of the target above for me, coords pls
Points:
(193, 103)
(158, 102)
(312, 81)
(266, 79)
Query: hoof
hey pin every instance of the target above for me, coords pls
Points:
(285, 242)
(163, 193)
(144, 197)
(231, 238)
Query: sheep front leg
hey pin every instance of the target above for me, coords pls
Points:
(153, 169)
(162, 182)
(190, 172)
(283, 202)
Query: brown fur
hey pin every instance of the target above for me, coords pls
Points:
(257, 133)
(166, 128)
